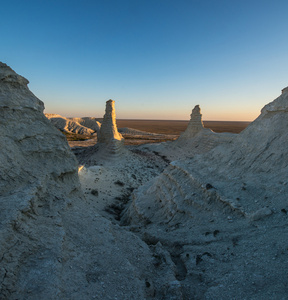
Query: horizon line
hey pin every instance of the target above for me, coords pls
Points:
(120, 119)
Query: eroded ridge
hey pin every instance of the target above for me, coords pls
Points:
(38, 179)
(85, 126)
(228, 207)
(255, 155)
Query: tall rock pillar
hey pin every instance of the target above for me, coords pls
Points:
(110, 143)
(195, 125)
(108, 131)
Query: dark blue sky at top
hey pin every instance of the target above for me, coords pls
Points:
(156, 59)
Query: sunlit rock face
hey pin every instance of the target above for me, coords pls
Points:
(90, 122)
(108, 131)
(110, 143)
(85, 126)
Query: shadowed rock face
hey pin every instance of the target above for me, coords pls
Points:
(29, 144)
(257, 155)
(38, 178)
(53, 244)
(108, 131)
(238, 190)
(195, 125)
(16, 85)
(216, 223)
(285, 90)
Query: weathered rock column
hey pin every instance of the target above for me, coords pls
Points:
(108, 131)
(195, 125)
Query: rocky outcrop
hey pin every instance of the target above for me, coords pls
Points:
(89, 122)
(28, 139)
(212, 226)
(85, 126)
(195, 124)
(219, 206)
(256, 155)
(110, 143)
(54, 245)
(194, 140)
(38, 178)
(109, 132)
(285, 90)
(261, 147)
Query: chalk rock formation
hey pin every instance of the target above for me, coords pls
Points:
(89, 122)
(194, 140)
(28, 139)
(85, 126)
(110, 143)
(285, 90)
(54, 245)
(38, 178)
(108, 131)
(233, 196)
(257, 154)
(195, 124)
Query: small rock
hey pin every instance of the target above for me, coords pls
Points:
(261, 213)
(209, 186)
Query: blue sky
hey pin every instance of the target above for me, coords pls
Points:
(156, 58)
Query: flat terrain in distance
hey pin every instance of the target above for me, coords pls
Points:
(177, 127)
(172, 129)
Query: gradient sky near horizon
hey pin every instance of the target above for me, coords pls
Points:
(156, 58)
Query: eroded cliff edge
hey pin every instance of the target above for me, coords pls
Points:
(54, 244)
(212, 226)
(226, 209)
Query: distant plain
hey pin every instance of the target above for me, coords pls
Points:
(175, 127)
(164, 130)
